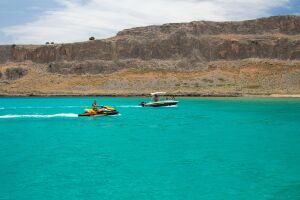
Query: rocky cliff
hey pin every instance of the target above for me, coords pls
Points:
(199, 58)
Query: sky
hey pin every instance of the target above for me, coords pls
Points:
(63, 21)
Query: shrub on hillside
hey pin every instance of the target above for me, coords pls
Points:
(15, 73)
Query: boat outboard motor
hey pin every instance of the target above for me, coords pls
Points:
(142, 104)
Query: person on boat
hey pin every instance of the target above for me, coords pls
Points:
(155, 98)
(173, 98)
(95, 106)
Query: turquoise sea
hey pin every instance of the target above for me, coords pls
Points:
(205, 148)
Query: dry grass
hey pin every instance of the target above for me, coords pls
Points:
(221, 78)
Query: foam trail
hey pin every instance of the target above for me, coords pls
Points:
(73, 106)
(39, 116)
(173, 106)
(129, 106)
(30, 107)
(118, 115)
(43, 107)
(2, 108)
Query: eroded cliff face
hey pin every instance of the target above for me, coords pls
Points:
(172, 57)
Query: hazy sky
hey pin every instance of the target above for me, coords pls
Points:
(38, 21)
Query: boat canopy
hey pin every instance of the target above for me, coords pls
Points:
(158, 93)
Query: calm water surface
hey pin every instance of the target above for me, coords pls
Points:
(202, 149)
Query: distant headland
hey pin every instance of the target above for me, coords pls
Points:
(201, 58)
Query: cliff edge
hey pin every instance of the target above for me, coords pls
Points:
(202, 58)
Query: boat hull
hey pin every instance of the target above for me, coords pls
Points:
(160, 104)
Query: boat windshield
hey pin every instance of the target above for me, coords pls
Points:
(160, 98)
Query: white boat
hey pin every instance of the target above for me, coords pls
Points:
(158, 102)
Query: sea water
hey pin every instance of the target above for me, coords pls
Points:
(204, 148)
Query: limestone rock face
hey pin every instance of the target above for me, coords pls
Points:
(275, 25)
(263, 45)
(274, 37)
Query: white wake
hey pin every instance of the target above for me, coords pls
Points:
(40, 107)
(129, 106)
(72, 115)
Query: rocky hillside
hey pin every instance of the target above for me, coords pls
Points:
(255, 57)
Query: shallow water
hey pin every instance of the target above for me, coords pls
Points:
(209, 148)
